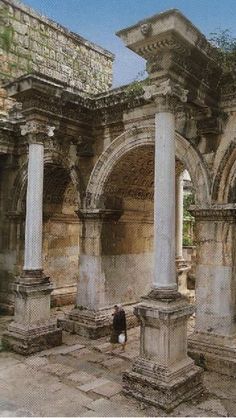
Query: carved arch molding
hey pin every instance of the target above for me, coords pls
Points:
(62, 183)
(126, 167)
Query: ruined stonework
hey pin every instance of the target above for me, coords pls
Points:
(108, 218)
(30, 42)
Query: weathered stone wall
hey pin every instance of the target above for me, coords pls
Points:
(127, 253)
(30, 42)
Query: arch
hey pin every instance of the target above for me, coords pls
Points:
(50, 158)
(139, 137)
(225, 178)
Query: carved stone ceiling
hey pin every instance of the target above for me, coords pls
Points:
(133, 175)
(58, 187)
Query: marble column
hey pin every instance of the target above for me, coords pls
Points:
(32, 330)
(91, 317)
(213, 343)
(164, 201)
(163, 374)
(179, 191)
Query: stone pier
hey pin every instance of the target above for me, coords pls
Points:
(90, 317)
(213, 343)
(32, 330)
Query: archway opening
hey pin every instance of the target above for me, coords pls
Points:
(127, 244)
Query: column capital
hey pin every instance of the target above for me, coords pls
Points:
(36, 131)
(166, 95)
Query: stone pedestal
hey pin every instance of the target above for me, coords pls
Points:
(32, 330)
(163, 375)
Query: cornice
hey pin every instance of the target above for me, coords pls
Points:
(214, 213)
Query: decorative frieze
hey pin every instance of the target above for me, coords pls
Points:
(215, 213)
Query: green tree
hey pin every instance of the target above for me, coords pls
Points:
(226, 48)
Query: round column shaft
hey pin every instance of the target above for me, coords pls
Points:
(164, 202)
(37, 133)
(179, 216)
(34, 209)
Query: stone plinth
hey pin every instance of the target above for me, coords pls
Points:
(32, 330)
(163, 375)
(94, 324)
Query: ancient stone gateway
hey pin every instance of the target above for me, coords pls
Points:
(92, 196)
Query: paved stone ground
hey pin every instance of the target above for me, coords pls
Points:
(81, 378)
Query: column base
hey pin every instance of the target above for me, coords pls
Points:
(163, 375)
(32, 330)
(166, 395)
(28, 341)
(212, 352)
(94, 324)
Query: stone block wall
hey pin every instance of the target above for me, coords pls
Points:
(30, 43)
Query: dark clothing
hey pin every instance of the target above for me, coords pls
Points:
(119, 326)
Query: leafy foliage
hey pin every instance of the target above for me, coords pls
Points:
(135, 88)
(226, 45)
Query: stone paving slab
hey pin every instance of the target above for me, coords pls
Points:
(215, 406)
(6, 362)
(106, 408)
(80, 353)
(93, 385)
(103, 348)
(58, 369)
(113, 362)
(127, 355)
(62, 349)
(108, 390)
(36, 361)
(80, 377)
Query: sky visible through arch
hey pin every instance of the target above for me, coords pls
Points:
(98, 20)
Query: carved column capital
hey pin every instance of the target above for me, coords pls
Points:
(37, 132)
(166, 95)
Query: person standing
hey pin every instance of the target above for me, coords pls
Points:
(118, 327)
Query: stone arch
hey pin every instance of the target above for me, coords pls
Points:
(139, 137)
(50, 158)
(224, 184)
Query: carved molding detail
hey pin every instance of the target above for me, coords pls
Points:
(166, 95)
(216, 214)
(146, 28)
(98, 214)
(37, 132)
